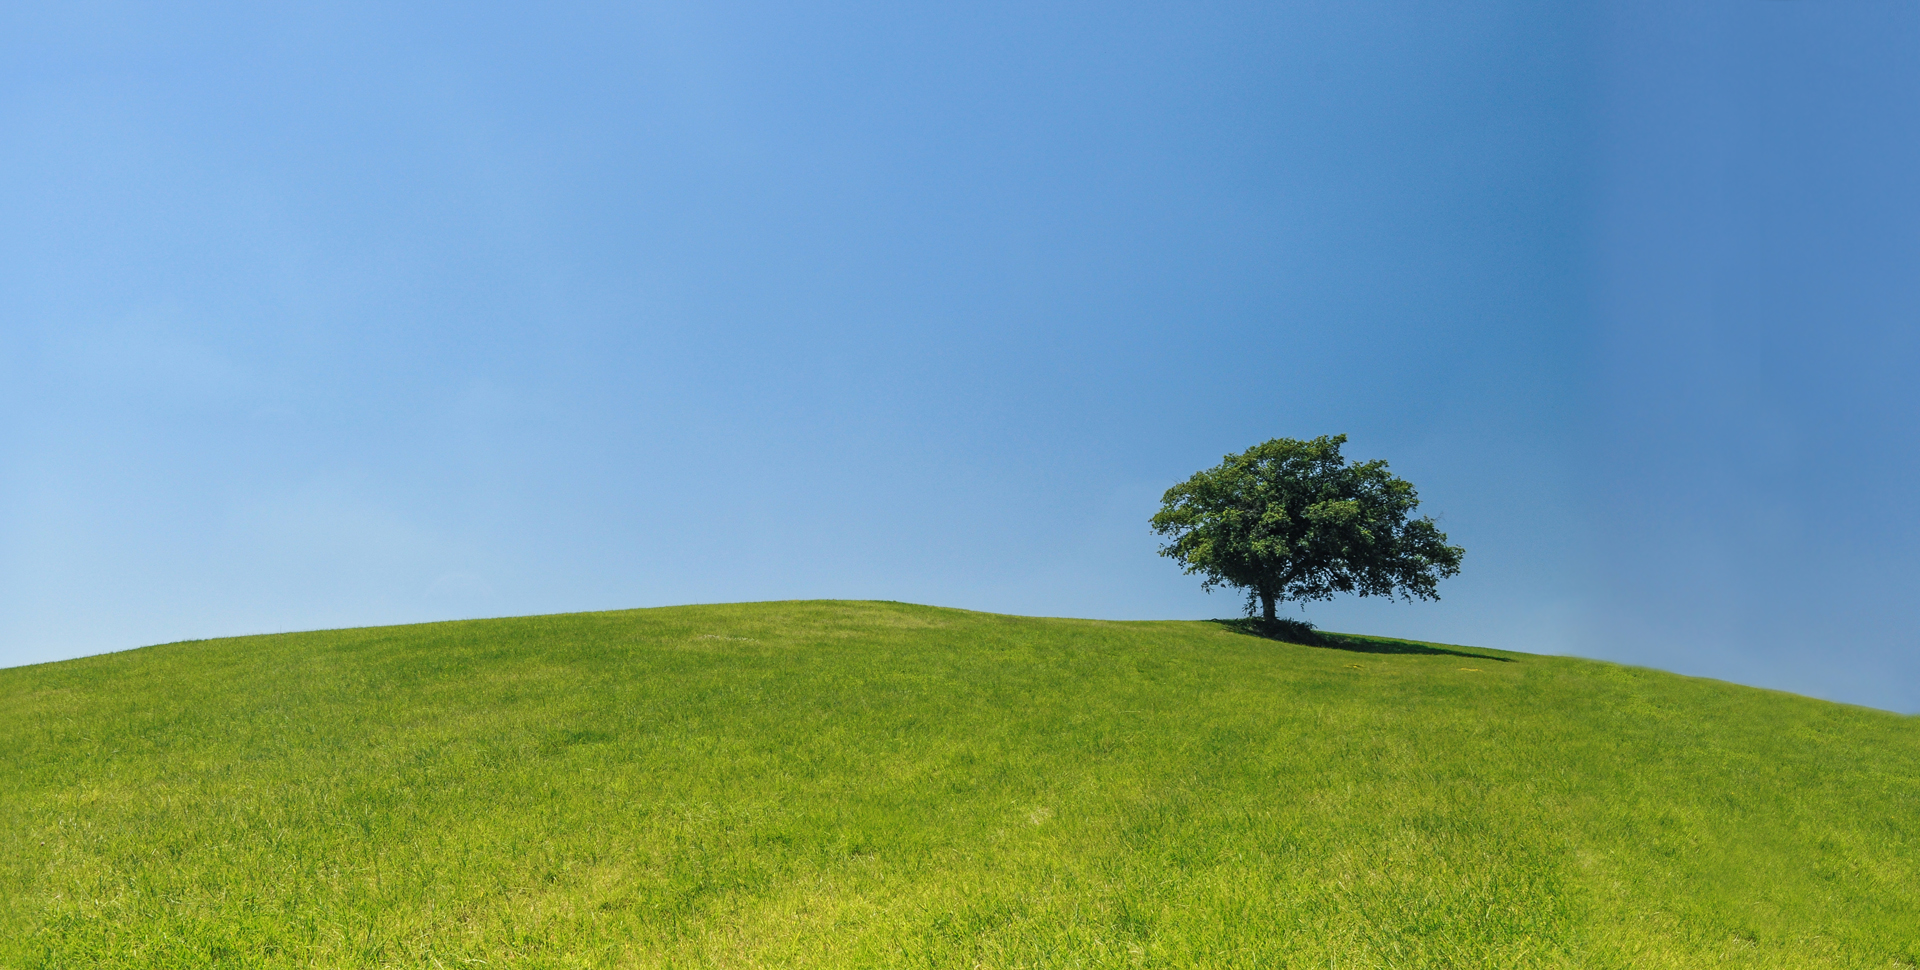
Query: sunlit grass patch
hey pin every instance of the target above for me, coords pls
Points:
(874, 784)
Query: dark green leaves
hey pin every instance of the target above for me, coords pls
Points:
(1293, 520)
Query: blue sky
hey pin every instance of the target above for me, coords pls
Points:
(370, 314)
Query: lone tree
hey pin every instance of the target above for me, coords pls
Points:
(1292, 520)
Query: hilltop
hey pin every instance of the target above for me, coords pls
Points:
(842, 784)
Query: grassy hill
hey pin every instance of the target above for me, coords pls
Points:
(876, 784)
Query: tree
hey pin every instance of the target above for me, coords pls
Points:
(1292, 520)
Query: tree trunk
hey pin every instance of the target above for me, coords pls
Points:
(1266, 605)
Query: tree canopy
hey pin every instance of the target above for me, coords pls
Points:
(1293, 520)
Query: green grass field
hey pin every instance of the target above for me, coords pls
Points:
(842, 784)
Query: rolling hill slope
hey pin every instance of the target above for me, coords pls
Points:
(876, 784)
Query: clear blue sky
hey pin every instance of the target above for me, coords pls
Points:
(366, 314)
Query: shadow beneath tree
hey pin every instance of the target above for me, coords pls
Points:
(1301, 634)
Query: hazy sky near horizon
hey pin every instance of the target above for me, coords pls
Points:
(373, 313)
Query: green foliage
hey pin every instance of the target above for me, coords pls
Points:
(1292, 520)
(881, 785)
